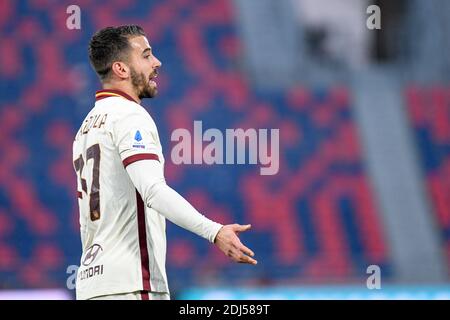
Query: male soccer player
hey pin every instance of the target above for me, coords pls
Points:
(123, 197)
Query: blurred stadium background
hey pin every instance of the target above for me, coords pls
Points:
(364, 119)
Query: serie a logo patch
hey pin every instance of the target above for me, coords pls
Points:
(138, 140)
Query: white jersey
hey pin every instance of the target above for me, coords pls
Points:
(124, 241)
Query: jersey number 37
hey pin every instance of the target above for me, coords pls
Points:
(93, 152)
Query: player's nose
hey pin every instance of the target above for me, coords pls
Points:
(158, 63)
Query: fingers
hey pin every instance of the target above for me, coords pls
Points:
(244, 255)
(230, 244)
(241, 228)
(247, 255)
(247, 259)
(239, 257)
(246, 251)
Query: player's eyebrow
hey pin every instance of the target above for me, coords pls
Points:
(147, 50)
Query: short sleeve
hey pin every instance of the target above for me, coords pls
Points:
(136, 138)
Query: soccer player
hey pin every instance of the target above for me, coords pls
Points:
(122, 194)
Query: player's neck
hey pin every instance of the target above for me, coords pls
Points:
(124, 88)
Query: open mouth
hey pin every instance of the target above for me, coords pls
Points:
(151, 79)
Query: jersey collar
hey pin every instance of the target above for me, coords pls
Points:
(102, 94)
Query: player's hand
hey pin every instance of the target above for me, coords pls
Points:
(228, 242)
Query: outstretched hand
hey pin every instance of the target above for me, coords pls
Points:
(228, 242)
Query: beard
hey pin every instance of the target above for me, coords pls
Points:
(142, 85)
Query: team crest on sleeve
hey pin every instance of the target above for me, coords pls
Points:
(138, 141)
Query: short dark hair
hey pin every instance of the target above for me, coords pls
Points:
(110, 44)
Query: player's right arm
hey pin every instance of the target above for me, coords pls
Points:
(148, 177)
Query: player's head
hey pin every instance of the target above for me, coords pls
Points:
(124, 54)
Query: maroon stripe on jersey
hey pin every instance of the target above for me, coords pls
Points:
(144, 295)
(79, 195)
(142, 232)
(137, 157)
(104, 94)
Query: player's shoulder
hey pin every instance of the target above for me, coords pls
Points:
(120, 107)
(125, 112)
(116, 105)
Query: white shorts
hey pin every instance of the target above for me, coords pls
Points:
(138, 295)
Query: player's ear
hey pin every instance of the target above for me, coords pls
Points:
(120, 69)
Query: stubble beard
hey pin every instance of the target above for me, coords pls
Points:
(141, 85)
